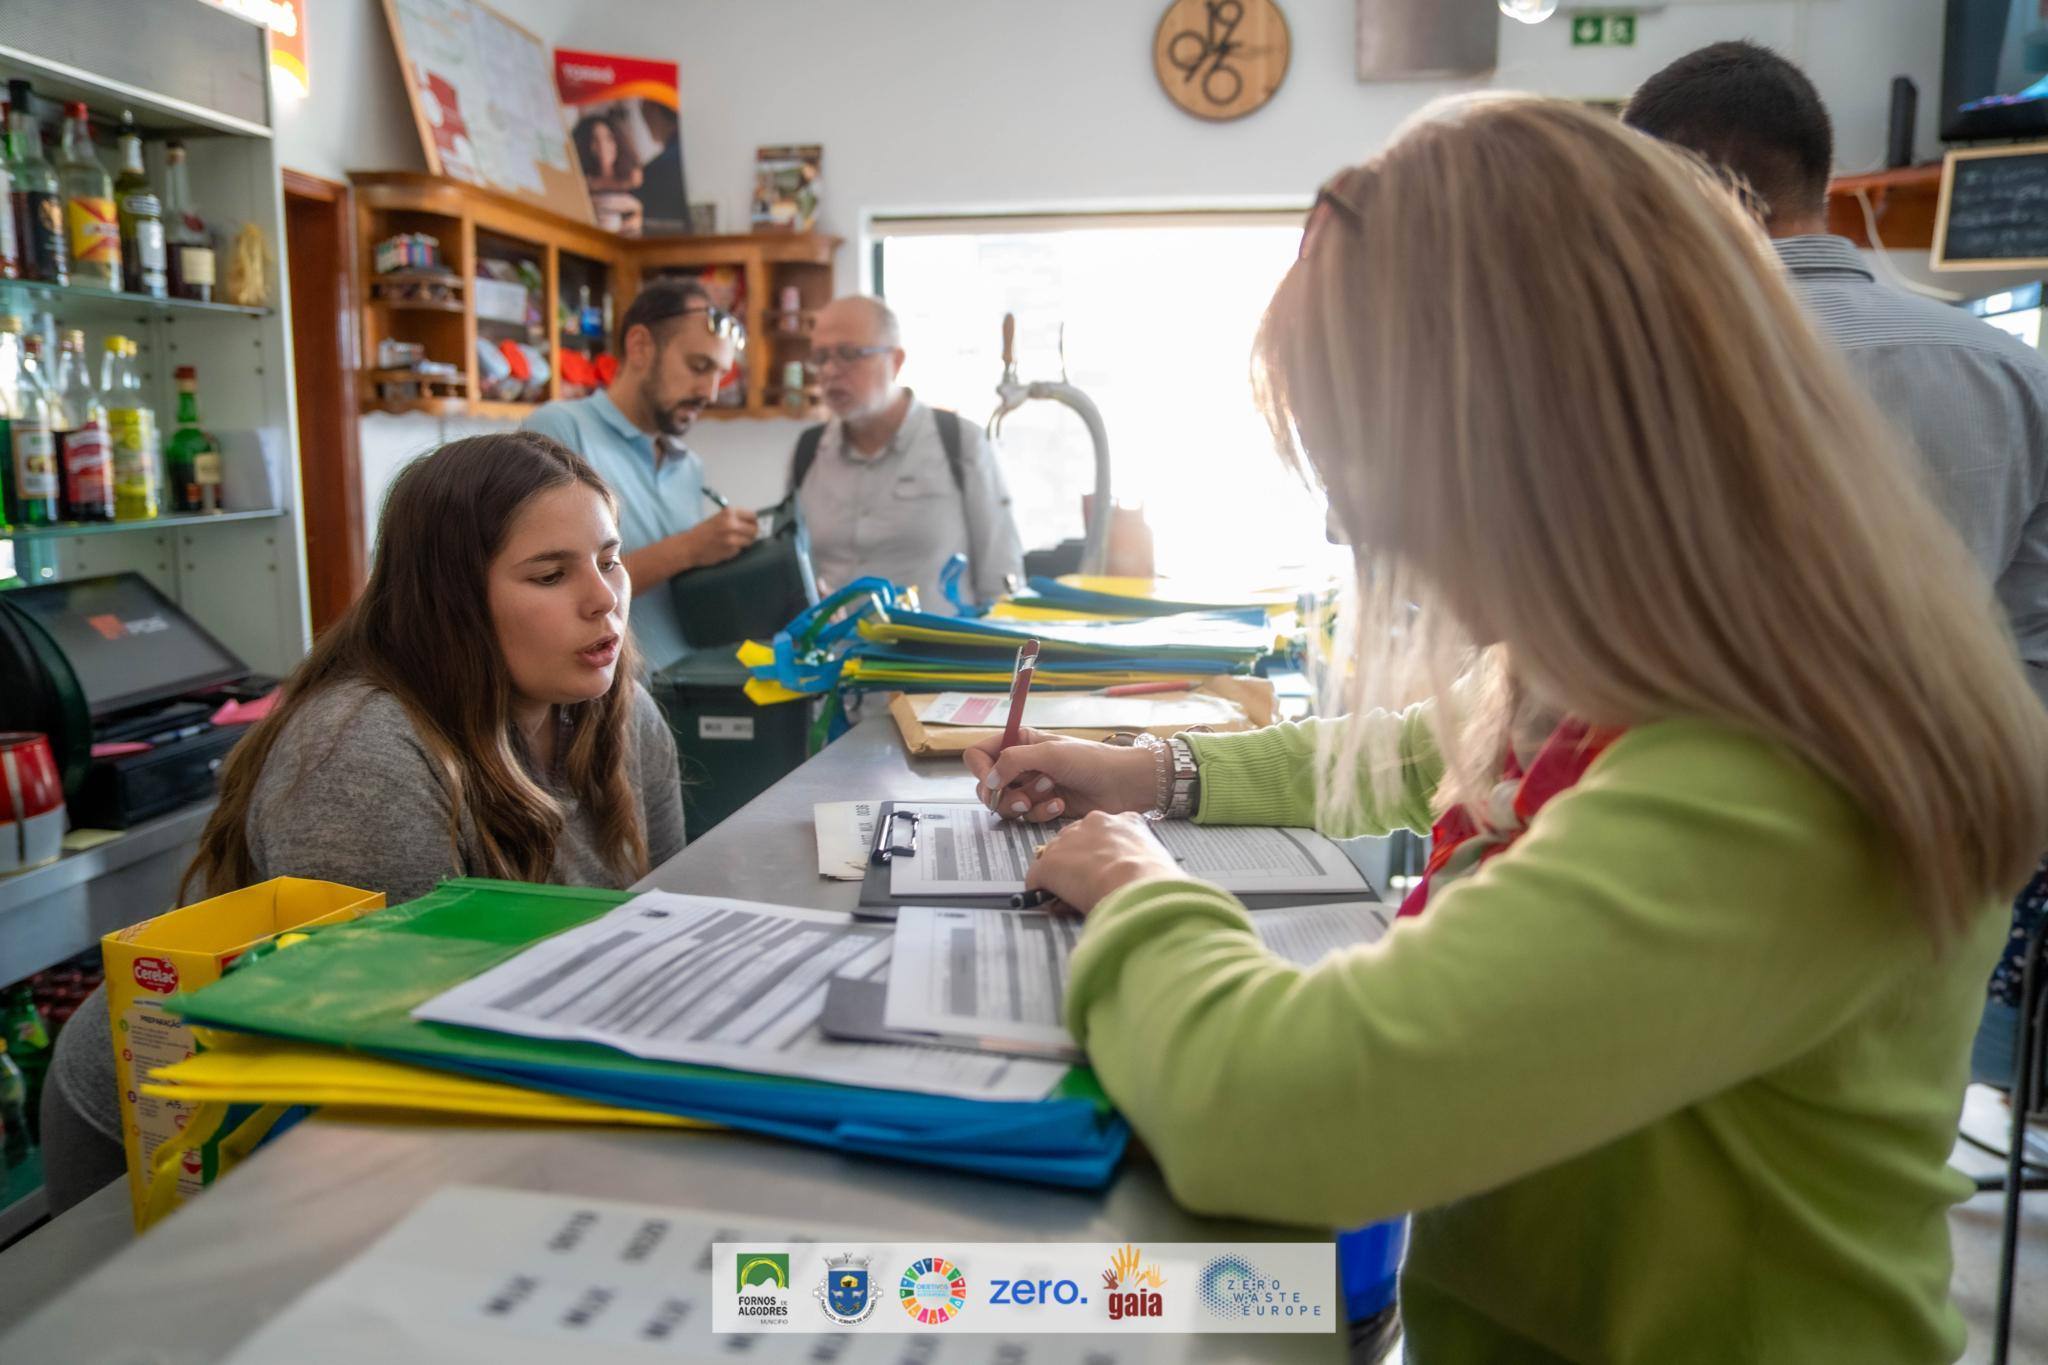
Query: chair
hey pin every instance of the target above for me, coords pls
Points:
(2030, 1051)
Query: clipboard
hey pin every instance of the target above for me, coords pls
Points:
(896, 837)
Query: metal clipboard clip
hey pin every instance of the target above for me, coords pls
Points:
(887, 845)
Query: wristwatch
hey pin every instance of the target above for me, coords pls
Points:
(1186, 794)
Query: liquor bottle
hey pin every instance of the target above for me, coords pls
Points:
(193, 457)
(89, 216)
(36, 481)
(143, 259)
(81, 423)
(37, 197)
(14, 1140)
(186, 239)
(10, 397)
(131, 433)
(10, 240)
(28, 1043)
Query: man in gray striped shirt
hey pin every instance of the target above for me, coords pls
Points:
(1973, 399)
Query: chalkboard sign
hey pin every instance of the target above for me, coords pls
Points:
(1993, 213)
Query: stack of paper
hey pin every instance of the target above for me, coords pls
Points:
(679, 1005)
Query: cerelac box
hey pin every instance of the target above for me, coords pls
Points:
(182, 951)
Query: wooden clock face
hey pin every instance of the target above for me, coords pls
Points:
(1221, 59)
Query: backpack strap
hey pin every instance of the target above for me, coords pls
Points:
(949, 436)
(806, 455)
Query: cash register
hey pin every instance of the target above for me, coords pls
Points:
(110, 665)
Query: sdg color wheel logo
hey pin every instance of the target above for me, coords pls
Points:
(933, 1291)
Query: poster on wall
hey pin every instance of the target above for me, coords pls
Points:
(483, 101)
(787, 182)
(624, 116)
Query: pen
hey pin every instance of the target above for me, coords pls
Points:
(713, 495)
(1147, 688)
(1031, 900)
(1020, 688)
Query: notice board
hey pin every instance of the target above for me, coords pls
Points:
(483, 95)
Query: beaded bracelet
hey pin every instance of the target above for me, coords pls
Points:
(1163, 762)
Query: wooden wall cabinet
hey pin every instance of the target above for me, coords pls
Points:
(575, 262)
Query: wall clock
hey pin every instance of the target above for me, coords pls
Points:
(1221, 59)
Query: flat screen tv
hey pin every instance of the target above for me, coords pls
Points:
(1994, 70)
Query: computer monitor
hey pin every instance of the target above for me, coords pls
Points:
(127, 642)
(1994, 70)
(2015, 311)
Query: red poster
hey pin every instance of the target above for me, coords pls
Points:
(625, 119)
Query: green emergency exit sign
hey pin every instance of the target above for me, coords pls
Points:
(1603, 30)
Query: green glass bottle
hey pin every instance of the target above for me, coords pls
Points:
(193, 457)
(37, 483)
(14, 1140)
(28, 1042)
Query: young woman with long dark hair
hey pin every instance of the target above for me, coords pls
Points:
(475, 713)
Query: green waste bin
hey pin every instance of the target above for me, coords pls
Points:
(729, 749)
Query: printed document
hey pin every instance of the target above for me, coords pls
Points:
(1001, 975)
(720, 983)
(964, 850)
(1071, 711)
(846, 834)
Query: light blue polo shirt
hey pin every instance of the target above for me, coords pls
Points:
(653, 503)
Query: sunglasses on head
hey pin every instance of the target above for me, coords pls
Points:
(717, 321)
(1330, 203)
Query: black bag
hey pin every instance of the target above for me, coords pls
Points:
(755, 593)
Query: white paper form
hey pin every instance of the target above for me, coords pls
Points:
(476, 1276)
(964, 850)
(719, 983)
(1001, 975)
(846, 834)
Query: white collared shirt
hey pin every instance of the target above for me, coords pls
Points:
(898, 514)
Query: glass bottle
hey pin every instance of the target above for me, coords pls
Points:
(14, 1140)
(10, 240)
(89, 216)
(38, 198)
(28, 1043)
(144, 268)
(81, 422)
(193, 457)
(131, 433)
(188, 242)
(36, 481)
(10, 394)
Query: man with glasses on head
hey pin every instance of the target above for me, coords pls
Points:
(673, 347)
(891, 488)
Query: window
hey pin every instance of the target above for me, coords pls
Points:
(1159, 313)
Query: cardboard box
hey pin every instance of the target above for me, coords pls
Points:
(179, 952)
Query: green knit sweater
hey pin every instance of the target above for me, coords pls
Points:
(1673, 1079)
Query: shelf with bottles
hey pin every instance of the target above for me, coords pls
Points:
(107, 241)
(174, 521)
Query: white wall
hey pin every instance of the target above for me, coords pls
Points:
(981, 104)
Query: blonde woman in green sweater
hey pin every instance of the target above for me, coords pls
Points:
(1731, 765)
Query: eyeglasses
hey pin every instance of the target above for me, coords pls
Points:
(845, 355)
(1330, 201)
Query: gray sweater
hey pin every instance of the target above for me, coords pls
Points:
(349, 795)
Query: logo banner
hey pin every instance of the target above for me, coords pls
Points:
(1016, 1288)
